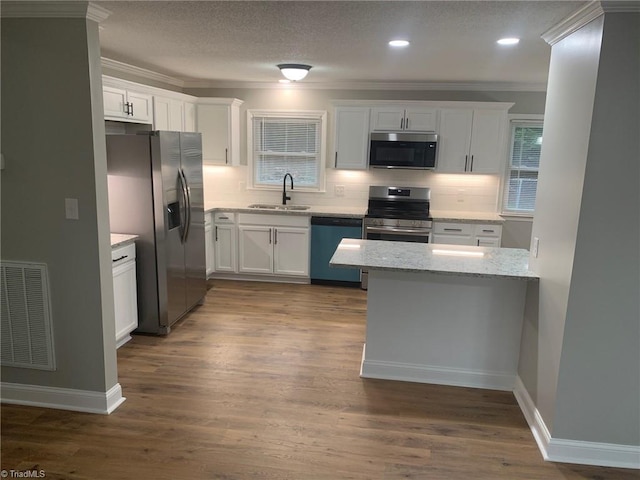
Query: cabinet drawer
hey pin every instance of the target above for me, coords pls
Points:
(224, 217)
(123, 254)
(453, 228)
(488, 230)
(273, 220)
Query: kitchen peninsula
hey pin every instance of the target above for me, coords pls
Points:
(442, 314)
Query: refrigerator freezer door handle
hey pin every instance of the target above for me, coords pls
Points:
(184, 219)
(188, 206)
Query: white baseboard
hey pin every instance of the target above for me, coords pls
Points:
(62, 398)
(573, 451)
(430, 374)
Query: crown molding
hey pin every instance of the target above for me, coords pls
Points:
(586, 14)
(44, 9)
(403, 86)
(140, 72)
(573, 23)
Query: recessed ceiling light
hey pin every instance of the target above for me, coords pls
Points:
(399, 43)
(509, 41)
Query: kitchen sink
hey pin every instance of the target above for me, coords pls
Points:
(271, 206)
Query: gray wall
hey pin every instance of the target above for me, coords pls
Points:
(580, 358)
(53, 142)
(516, 233)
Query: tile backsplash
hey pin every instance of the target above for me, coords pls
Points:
(457, 192)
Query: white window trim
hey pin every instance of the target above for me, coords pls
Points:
(321, 114)
(514, 118)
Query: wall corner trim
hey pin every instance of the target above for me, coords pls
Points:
(573, 451)
(62, 398)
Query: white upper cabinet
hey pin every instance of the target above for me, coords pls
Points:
(168, 114)
(126, 105)
(471, 140)
(351, 138)
(404, 118)
(218, 120)
(189, 117)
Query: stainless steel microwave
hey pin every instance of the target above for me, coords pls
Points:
(403, 150)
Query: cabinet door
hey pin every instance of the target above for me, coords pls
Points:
(387, 118)
(488, 241)
(209, 247)
(454, 140)
(189, 117)
(213, 123)
(114, 100)
(452, 239)
(421, 119)
(487, 141)
(141, 106)
(125, 300)
(161, 113)
(225, 241)
(256, 249)
(352, 138)
(291, 251)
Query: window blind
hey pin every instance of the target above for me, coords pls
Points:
(524, 163)
(286, 145)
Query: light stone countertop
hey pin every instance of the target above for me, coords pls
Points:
(466, 217)
(120, 239)
(434, 258)
(313, 211)
(353, 212)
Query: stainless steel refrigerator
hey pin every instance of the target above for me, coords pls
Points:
(156, 192)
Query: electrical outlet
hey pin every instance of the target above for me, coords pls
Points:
(242, 186)
(535, 246)
(339, 190)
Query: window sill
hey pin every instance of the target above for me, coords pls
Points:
(518, 217)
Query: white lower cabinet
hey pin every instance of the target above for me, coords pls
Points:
(225, 241)
(209, 244)
(124, 290)
(483, 235)
(273, 244)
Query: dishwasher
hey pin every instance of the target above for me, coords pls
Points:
(326, 233)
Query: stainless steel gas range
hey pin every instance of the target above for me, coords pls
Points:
(399, 214)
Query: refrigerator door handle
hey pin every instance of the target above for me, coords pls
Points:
(184, 219)
(187, 194)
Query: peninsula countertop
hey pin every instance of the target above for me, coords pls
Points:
(434, 258)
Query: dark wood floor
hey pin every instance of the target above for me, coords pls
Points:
(262, 382)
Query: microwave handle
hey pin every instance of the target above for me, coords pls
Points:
(335, 165)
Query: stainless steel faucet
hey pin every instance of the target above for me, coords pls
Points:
(284, 188)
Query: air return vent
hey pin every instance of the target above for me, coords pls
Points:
(25, 316)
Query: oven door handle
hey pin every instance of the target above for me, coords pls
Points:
(405, 231)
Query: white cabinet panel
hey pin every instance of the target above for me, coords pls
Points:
(404, 117)
(471, 140)
(225, 242)
(291, 251)
(219, 124)
(351, 138)
(125, 298)
(126, 105)
(209, 249)
(255, 249)
(483, 235)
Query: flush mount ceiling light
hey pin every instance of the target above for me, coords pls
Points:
(509, 41)
(294, 71)
(399, 43)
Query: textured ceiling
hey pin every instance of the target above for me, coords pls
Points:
(222, 42)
